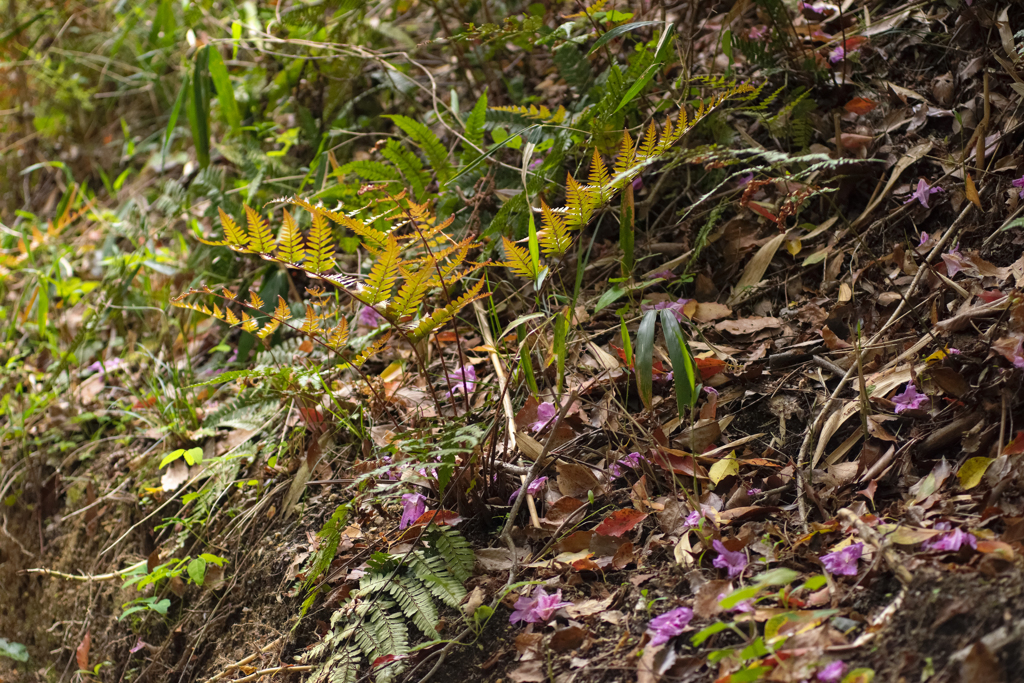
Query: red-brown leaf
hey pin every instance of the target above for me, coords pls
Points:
(620, 521)
(82, 653)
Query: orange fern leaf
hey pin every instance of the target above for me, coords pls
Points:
(260, 239)
(381, 279)
(320, 246)
(554, 237)
(290, 248)
(518, 260)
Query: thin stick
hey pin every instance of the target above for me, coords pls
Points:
(84, 577)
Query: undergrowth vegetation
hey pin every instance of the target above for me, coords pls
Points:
(365, 298)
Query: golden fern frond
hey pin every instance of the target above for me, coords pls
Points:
(439, 255)
(269, 328)
(649, 144)
(627, 154)
(179, 303)
(413, 290)
(338, 336)
(580, 202)
(217, 313)
(449, 281)
(588, 11)
(290, 248)
(541, 113)
(282, 312)
(254, 300)
(667, 137)
(598, 171)
(249, 323)
(384, 272)
(320, 246)
(442, 315)
(230, 318)
(554, 237)
(260, 239)
(235, 235)
(518, 260)
(374, 240)
(311, 324)
(373, 349)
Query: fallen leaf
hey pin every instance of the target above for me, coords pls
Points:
(860, 106)
(576, 480)
(567, 639)
(709, 312)
(82, 652)
(175, 475)
(619, 522)
(749, 325)
(972, 471)
(725, 467)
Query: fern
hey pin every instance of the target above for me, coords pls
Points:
(425, 139)
(414, 255)
(409, 164)
(476, 120)
(372, 623)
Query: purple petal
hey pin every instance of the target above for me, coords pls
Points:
(669, 625)
(413, 506)
(733, 561)
(545, 413)
(843, 562)
(910, 399)
(832, 673)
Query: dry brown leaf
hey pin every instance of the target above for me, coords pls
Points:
(748, 325)
(711, 311)
(755, 269)
(576, 480)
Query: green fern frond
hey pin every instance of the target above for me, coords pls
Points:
(536, 113)
(431, 145)
(476, 120)
(409, 164)
(373, 171)
(432, 572)
(456, 552)
(415, 602)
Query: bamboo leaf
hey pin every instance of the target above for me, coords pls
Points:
(225, 93)
(199, 107)
(618, 31)
(644, 359)
(683, 376)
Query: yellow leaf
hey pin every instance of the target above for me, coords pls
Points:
(794, 247)
(972, 471)
(723, 468)
(972, 191)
